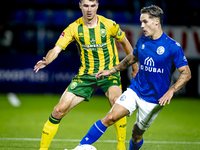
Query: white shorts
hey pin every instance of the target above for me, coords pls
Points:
(147, 112)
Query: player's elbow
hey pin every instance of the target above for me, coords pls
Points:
(186, 73)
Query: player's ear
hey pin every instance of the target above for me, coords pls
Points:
(157, 21)
(80, 5)
(97, 5)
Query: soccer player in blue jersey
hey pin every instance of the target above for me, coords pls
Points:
(150, 90)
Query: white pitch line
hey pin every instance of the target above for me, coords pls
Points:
(100, 141)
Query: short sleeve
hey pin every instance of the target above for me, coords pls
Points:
(178, 57)
(66, 37)
(117, 32)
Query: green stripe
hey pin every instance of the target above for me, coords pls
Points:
(94, 50)
(54, 120)
(113, 48)
(80, 32)
(105, 48)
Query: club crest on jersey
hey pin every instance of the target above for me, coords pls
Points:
(122, 98)
(73, 85)
(160, 50)
(103, 32)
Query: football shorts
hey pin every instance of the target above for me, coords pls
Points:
(86, 85)
(147, 112)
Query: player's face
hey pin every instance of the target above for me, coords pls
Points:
(89, 8)
(148, 25)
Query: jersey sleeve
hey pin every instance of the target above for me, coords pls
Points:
(66, 37)
(178, 57)
(117, 32)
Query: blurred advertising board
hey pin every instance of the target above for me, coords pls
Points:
(17, 75)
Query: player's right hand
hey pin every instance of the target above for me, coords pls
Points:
(102, 74)
(40, 64)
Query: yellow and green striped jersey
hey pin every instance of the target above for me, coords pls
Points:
(97, 45)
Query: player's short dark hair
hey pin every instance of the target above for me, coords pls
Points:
(90, 0)
(153, 11)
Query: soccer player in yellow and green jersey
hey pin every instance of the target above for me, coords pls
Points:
(95, 37)
(97, 45)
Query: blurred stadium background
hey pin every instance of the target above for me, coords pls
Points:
(29, 28)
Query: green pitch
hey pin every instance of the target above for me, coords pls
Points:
(176, 128)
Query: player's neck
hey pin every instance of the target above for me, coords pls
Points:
(91, 23)
(157, 34)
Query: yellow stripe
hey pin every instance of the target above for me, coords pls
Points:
(101, 58)
(110, 49)
(91, 62)
(82, 68)
(117, 56)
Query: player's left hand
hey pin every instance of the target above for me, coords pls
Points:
(166, 98)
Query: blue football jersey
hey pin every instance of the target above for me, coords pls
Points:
(157, 61)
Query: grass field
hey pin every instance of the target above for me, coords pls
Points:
(176, 128)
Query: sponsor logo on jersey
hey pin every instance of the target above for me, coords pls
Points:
(62, 35)
(94, 46)
(149, 66)
(143, 46)
(93, 41)
(184, 58)
(80, 34)
(178, 44)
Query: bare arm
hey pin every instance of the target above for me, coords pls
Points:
(124, 64)
(128, 49)
(185, 76)
(51, 55)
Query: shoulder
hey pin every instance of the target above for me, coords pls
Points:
(108, 23)
(142, 40)
(105, 20)
(173, 44)
(76, 23)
